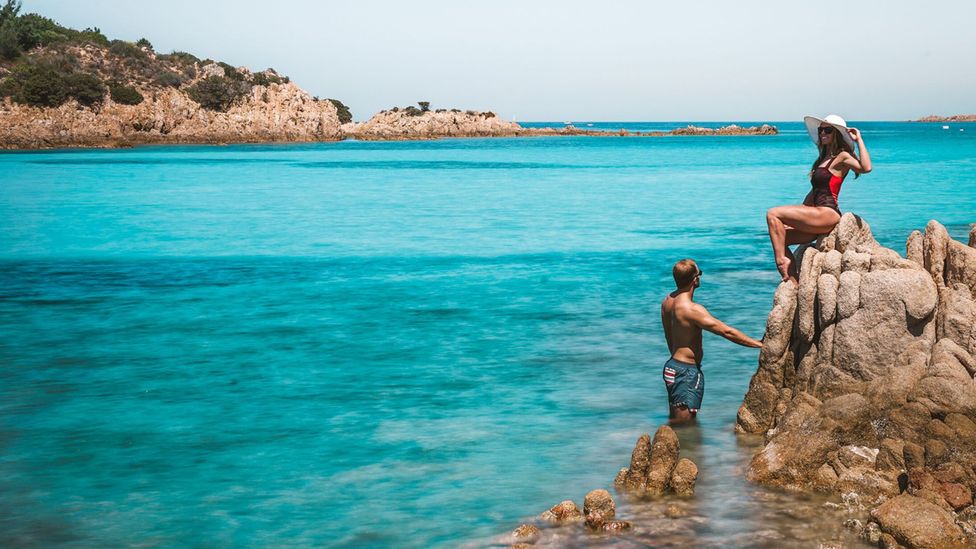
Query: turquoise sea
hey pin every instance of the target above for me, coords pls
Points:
(403, 344)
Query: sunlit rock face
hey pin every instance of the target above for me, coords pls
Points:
(267, 113)
(414, 124)
(865, 379)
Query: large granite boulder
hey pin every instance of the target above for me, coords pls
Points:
(867, 369)
(914, 522)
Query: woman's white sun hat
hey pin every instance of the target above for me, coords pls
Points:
(813, 123)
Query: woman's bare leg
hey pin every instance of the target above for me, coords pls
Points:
(794, 236)
(806, 221)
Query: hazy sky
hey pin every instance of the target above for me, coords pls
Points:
(573, 60)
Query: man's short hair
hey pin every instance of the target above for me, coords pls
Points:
(684, 272)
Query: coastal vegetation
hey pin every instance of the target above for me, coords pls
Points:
(345, 115)
(44, 64)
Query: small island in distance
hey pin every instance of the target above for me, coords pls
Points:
(953, 118)
(61, 87)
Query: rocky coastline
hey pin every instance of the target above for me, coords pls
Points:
(273, 113)
(866, 388)
(280, 112)
(865, 393)
(413, 124)
(953, 118)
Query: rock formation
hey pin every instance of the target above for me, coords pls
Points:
(274, 112)
(562, 513)
(414, 124)
(655, 468)
(732, 129)
(953, 118)
(865, 380)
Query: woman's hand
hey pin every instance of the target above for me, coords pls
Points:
(855, 133)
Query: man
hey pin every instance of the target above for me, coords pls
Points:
(684, 321)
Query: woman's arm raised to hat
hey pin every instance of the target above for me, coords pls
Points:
(862, 165)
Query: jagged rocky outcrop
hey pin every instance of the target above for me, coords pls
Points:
(953, 118)
(731, 129)
(865, 380)
(274, 112)
(414, 124)
(655, 468)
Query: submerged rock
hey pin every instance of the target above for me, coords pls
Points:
(865, 381)
(526, 533)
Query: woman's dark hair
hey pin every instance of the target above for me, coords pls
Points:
(837, 145)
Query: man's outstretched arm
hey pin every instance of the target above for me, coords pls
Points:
(704, 320)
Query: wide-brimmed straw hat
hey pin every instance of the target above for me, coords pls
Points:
(837, 122)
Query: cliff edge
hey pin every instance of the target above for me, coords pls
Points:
(61, 87)
(865, 381)
(262, 107)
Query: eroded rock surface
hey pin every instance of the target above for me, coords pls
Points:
(865, 381)
(273, 112)
(655, 468)
(563, 512)
(914, 522)
(406, 124)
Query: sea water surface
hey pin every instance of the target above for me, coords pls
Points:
(405, 344)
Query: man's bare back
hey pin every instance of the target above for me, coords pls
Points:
(683, 322)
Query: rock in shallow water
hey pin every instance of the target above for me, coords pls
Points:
(916, 523)
(526, 533)
(683, 477)
(655, 468)
(599, 508)
(563, 512)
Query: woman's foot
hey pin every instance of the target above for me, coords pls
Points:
(783, 264)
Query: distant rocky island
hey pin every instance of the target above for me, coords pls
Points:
(953, 118)
(61, 87)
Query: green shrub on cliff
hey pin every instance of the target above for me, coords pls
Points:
(44, 84)
(9, 44)
(217, 93)
(85, 87)
(34, 30)
(181, 57)
(345, 116)
(21, 33)
(265, 78)
(231, 71)
(167, 79)
(34, 84)
(125, 95)
(126, 49)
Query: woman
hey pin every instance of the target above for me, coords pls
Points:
(820, 212)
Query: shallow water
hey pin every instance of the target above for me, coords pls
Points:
(398, 344)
